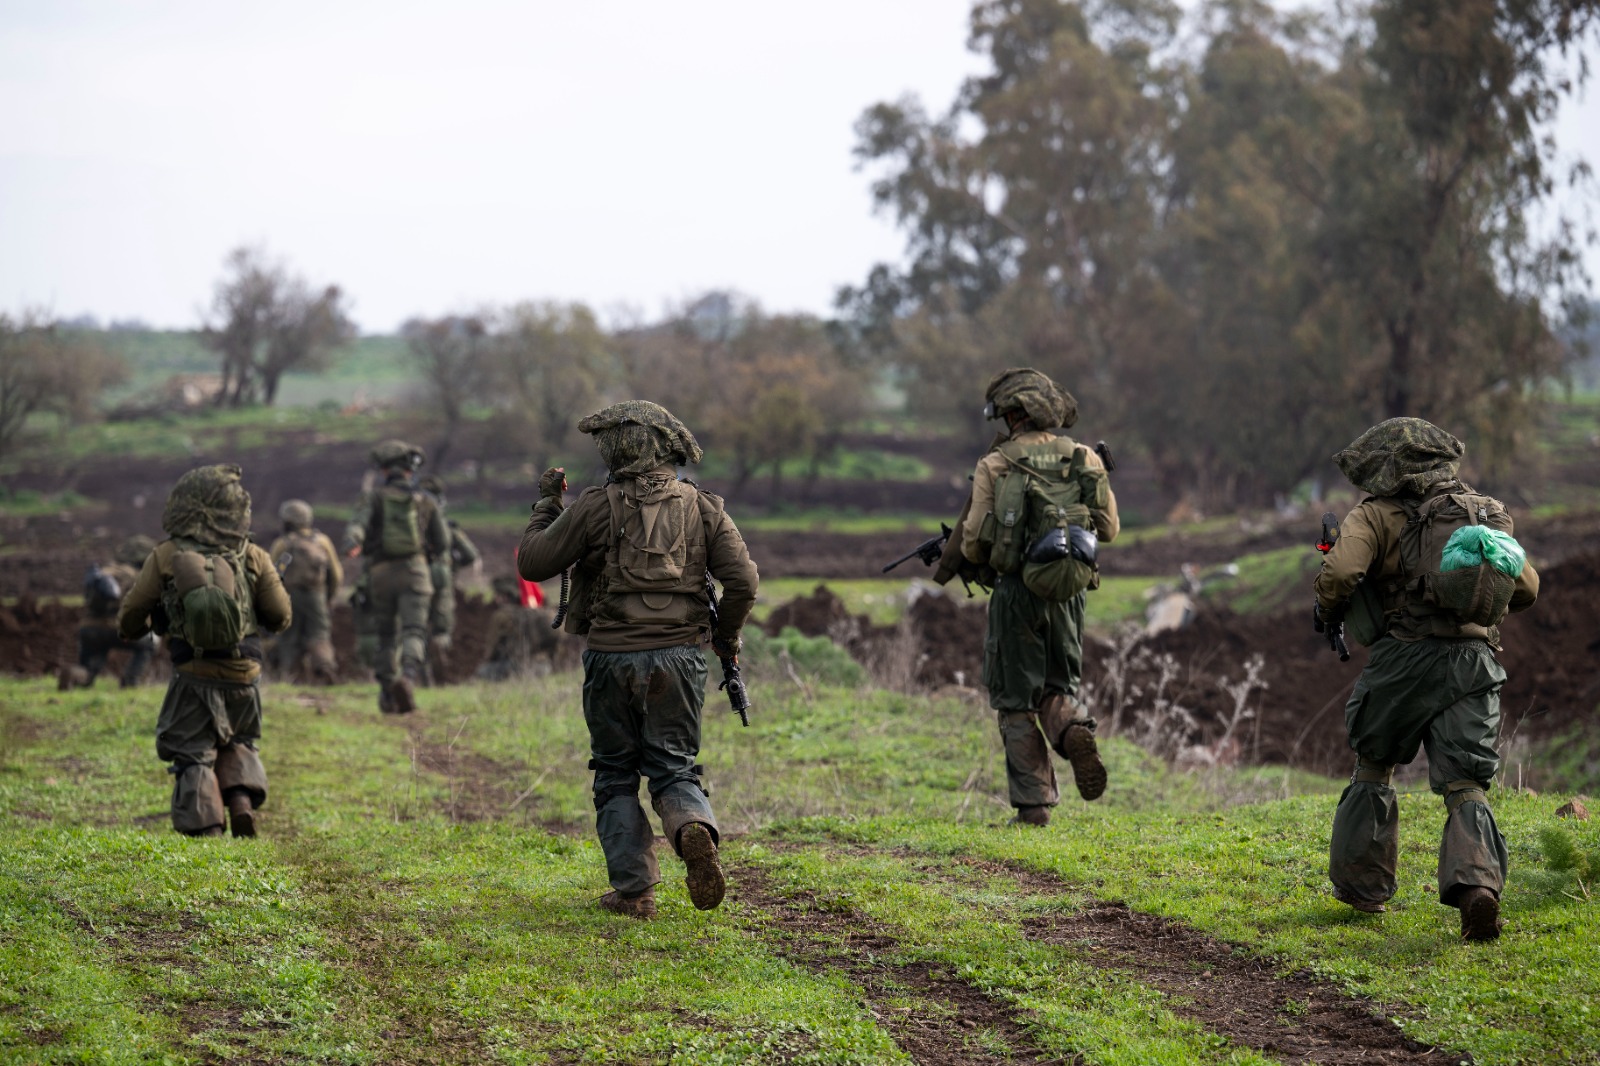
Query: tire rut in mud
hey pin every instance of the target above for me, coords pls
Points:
(833, 941)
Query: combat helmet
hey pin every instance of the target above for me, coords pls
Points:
(295, 514)
(433, 484)
(1046, 404)
(394, 452)
(134, 550)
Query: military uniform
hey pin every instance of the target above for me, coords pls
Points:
(640, 547)
(442, 569)
(211, 718)
(1432, 682)
(97, 634)
(1033, 648)
(521, 640)
(308, 563)
(396, 585)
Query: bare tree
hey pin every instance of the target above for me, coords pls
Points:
(451, 353)
(266, 323)
(47, 369)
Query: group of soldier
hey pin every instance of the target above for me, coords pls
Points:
(642, 548)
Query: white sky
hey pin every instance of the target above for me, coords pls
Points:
(432, 158)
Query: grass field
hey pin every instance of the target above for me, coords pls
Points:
(424, 892)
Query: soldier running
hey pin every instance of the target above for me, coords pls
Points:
(212, 593)
(1035, 482)
(103, 588)
(640, 547)
(1432, 679)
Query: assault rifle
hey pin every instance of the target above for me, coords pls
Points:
(1330, 623)
(738, 698)
(928, 551)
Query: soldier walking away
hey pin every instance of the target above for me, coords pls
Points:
(212, 593)
(640, 547)
(443, 569)
(103, 588)
(308, 563)
(1040, 505)
(396, 528)
(1432, 679)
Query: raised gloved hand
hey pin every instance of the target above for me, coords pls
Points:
(553, 483)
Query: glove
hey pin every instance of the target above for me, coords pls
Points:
(725, 650)
(553, 482)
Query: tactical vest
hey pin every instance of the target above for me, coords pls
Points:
(655, 562)
(1420, 601)
(304, 565)
(209, 598)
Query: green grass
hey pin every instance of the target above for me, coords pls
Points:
(884, 600)
(424, 892)
(27, 503)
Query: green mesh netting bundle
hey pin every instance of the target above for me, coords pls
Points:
(1472, 546)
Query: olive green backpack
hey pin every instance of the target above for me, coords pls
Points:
(209, 599)
(1046, 487)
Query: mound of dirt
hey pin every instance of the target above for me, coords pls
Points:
(1551, 654)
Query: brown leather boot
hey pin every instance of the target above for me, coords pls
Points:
(642, 906)
(1365, 906)
(1088, 772)
(705, 880)
(241, 813)
(1032, 816)
(402, 699)
(1480, 914)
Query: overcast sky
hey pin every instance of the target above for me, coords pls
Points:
(433, 158)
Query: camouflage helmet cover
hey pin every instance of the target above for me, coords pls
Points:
(637, 436)
(394, 452)
(1401, 457)
(210, 506)
(1046, 404)
(507, 587)
(295, 514)
(134, 550)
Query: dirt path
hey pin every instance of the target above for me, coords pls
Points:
(1295, 1017)
(825, 940)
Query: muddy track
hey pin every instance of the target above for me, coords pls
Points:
(827, 941)
(1296, 1017)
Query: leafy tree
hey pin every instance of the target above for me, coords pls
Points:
(48, 369)
(548, 365)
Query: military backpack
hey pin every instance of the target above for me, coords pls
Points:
(101, 593)
(304, 563)
(1430, 599)
(1042, 525)
(399, 521)
(209, 599)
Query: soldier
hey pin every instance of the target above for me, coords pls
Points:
(1033, 653)
(640, 547)
(443, 569)
(521, 640)
(308, 563)
(103, 587)
(213, 593)
(1432, 679)
(397, 527)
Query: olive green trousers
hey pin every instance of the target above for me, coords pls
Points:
(1444, 697)
(208, 732)
(1032, 649)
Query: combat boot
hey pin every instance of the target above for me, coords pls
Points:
(642, 906)
(1088, 772)
(1365, 906)
(705, 880)
(72, 677)
(208, 831)
(1480, 914)
(1032, 816)
(402, 699)
(241, 813)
